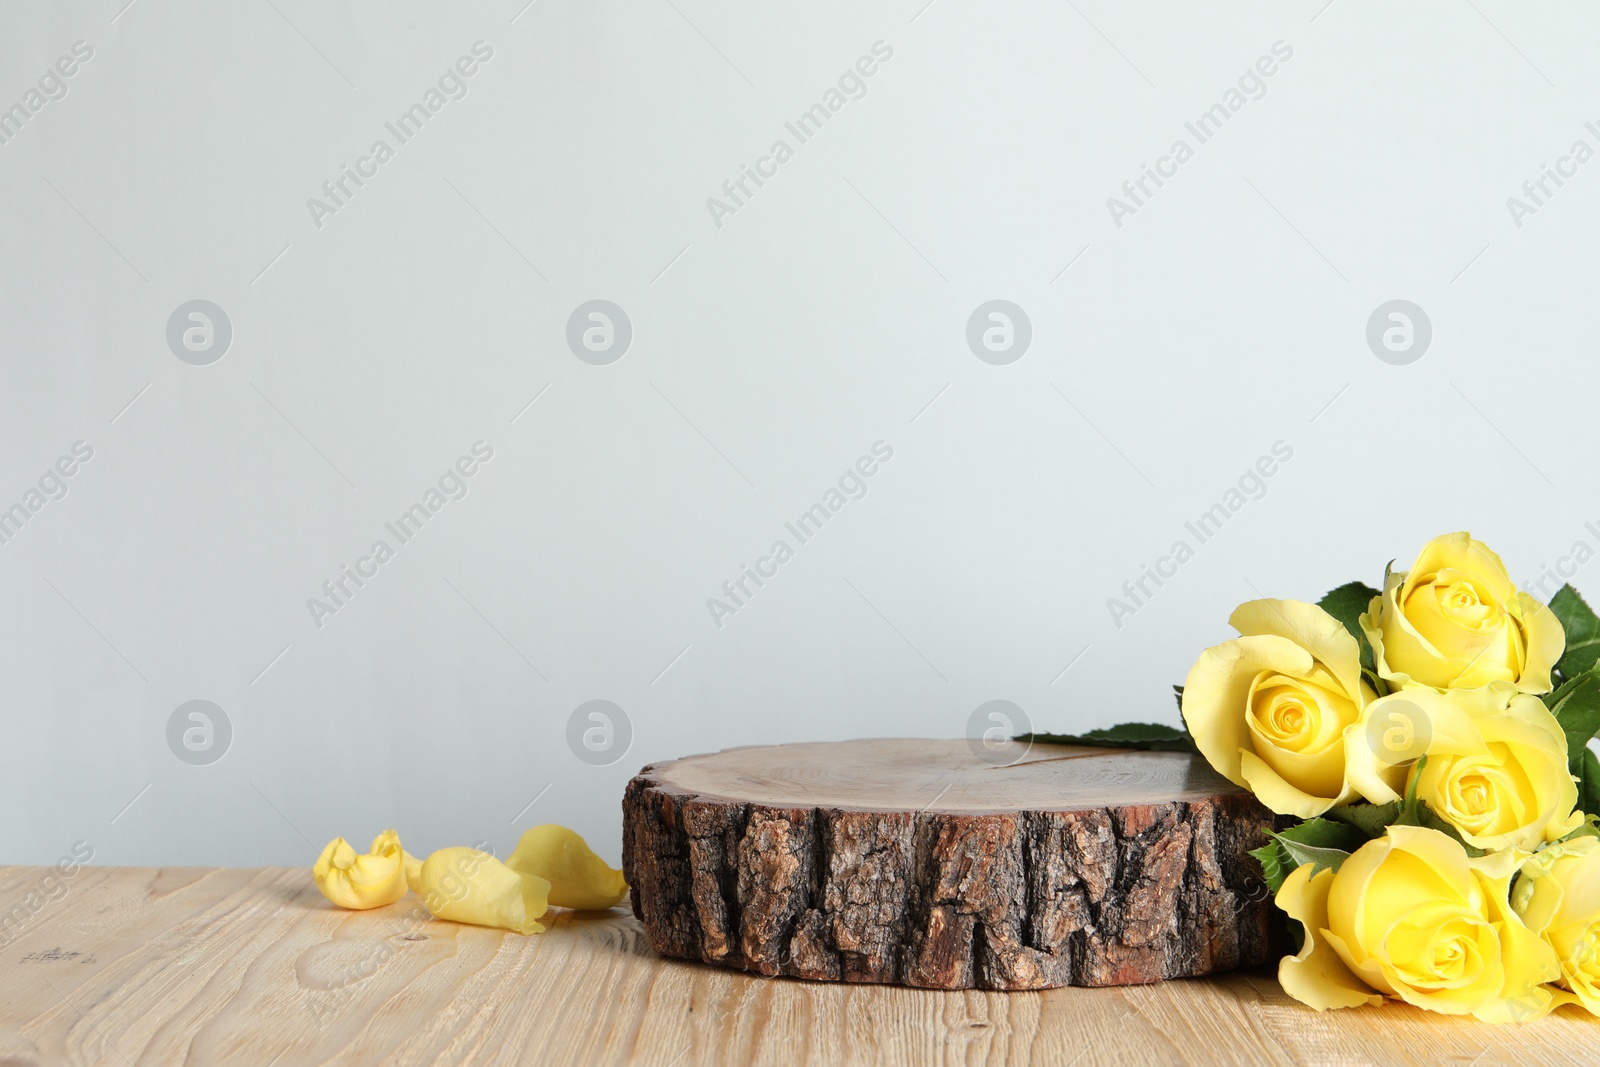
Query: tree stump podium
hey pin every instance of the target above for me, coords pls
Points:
(930, 863)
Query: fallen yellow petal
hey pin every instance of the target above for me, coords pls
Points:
(368, 881)
(578, 878)
(413, 873)
(470, 886)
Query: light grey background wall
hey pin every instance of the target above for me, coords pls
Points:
(351, 354)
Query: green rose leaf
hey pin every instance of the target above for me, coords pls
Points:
(1576, 706)
(1371, 819)
(1144, 736)
(1275, 866)
(1582, 627)
(1347, 604)
(1320, 842)
(1300, 855)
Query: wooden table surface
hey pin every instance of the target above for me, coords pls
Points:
(221, 966)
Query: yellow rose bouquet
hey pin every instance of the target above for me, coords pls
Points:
(1426, 748)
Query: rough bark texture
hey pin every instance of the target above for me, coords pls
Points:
(1116, 893)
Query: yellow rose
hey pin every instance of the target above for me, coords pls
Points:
(1558, 897)
(1455, 620)
(1271, 708)
(1496, 768)
(578, 878)
(368, 881)
(1410, 916)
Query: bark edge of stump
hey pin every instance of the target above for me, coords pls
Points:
(1029, 889)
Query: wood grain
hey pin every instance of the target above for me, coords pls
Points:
(941, 864)
(923, 774)
(216, 966)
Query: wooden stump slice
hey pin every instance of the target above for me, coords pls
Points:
(927, 863)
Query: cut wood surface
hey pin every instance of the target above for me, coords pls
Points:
(944, 865)
(253, 967)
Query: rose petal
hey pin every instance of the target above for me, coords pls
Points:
(1546, 643)
(1528, 959)
(469, 886)
(1218, 687)
(366, 881)
(578, 878)
(1270, 788)
(413, 866)
(1316, 976)
(1308, 626)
